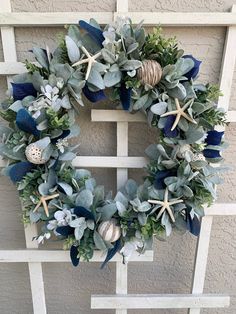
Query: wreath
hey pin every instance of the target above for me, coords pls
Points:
(139, 72)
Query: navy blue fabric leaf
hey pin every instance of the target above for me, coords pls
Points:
(168, 125)
(74, 255)
(26, 123)
(64, 134)
(19, 170)
(111, 253)
(214, 137)
(125, 96)
(193, 225)
(195, 70)
(160, 176)
(93, 32)
(21, 90)
(93, 96)
(80, 211)
(65, 230)
(211, 153)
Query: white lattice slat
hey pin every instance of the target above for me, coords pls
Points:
(52, 256)
(105, 162)
(161, 301)
(29, 19)
(227, 71)
(122, 176)
(35, 269)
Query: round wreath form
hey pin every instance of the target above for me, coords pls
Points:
(146, 73)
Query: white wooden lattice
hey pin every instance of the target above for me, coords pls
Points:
(34, 257)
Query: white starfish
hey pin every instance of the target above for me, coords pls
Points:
(90, 60)
(165, 205)
(179, 112)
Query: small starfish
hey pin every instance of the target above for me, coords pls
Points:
(179, 112)
(43, 202)
(165, 205)
(90, 60)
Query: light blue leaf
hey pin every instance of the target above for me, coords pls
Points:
(90, 224)
(131, 188)
(142, 218)
(144, 206)
(84, 199)
(112, 78)
(16, 106)
(108, 211)
(66, 188)
(90, 184)
(121, 208)
(78, 222)
(96, 79)
(72, 50)
(166, 223)
(68, 156)
(79, 232)
(120, 197)
(82, 173)
(159, 108)
(99, 242)
(140, 102)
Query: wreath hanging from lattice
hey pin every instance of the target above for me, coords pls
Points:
(146, 73)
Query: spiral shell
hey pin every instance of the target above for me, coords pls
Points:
(34, 154)
(109, 230)
(150, 72)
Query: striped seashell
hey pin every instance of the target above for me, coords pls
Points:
(150, 72)
(109, 230)
(34, 154)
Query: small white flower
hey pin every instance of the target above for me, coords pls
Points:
(130, 247)
(50, 92)
(52, 224)
(61, 144)
(109, 35)
(60, 83)
(42, 237)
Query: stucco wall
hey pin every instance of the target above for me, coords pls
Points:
(68, 289)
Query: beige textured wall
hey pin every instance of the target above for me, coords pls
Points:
(68, 289)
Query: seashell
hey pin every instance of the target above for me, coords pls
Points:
(183, 149)
(150, 72)
(34, 154)
(109, 230)
(198, 157)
